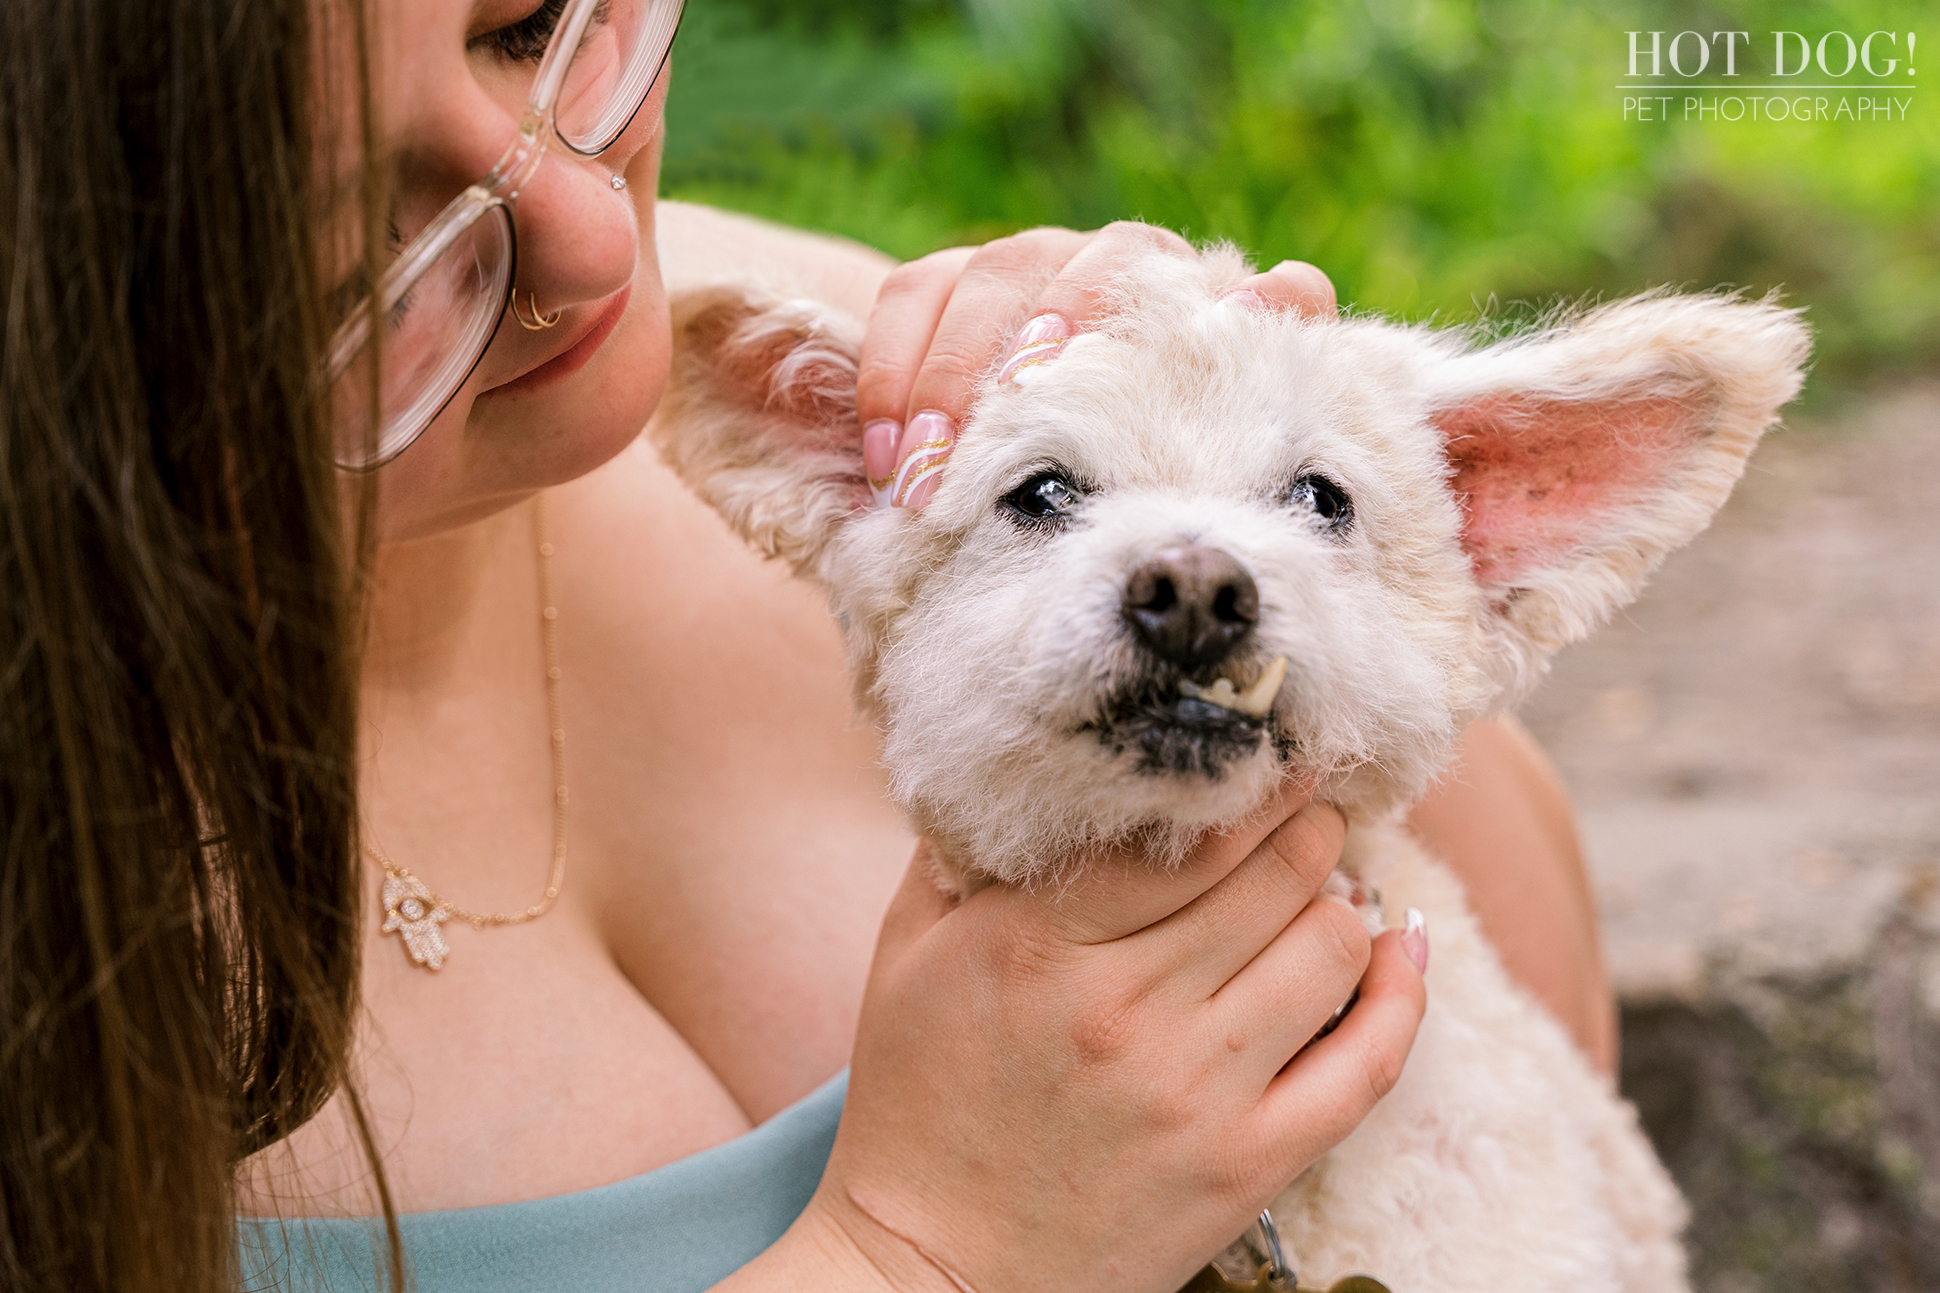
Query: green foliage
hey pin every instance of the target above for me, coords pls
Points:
(1434, 156)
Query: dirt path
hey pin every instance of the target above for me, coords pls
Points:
(1755, 752)
(1755, 745)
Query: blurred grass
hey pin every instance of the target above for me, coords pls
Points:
(1435, 157)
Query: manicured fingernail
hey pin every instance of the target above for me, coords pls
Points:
(879, 456)
(1414, 939)
(921, 492)
(1245, 298)
(1045, 327)
(925, 447)
(1037, 341)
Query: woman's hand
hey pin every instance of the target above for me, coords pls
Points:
(942, 322)
(1099, 1085)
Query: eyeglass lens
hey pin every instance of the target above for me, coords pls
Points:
(614, 68)
(432, 339)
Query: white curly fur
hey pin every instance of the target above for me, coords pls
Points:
(1506, 501)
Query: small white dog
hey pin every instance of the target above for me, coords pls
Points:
(1082, 637)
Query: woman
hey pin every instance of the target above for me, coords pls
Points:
(701, 962)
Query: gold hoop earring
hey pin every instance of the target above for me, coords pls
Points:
(540, 322)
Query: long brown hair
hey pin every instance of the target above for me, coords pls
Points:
(178, 876)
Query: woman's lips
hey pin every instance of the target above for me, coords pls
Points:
(574, 357)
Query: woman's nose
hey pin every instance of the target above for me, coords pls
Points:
(579, 231)
(578, 236)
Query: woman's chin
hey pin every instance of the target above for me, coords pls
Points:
(533, 440)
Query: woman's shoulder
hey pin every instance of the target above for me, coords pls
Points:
(700, 244)
(635, 505)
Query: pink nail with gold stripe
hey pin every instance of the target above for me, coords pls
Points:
(925, 447)
(879, 440)
(1039, 340)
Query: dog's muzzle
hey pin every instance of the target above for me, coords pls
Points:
(1190, 609)
(1169, 733)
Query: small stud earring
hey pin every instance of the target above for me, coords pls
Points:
(619, 181)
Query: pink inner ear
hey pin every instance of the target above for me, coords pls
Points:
(1538, 478)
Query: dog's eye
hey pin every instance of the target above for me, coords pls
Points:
(1045, 499)
(1327, 501)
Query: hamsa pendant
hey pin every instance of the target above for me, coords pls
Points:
(414, 915)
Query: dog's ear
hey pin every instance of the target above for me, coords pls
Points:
(759, 417)
(1583, 454)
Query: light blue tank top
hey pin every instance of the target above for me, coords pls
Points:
(678, 1229)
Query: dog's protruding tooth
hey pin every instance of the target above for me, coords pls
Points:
(1221, 692)
(1258, 699)
(1255, 702)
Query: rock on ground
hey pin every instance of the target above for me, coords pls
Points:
(1755, 753)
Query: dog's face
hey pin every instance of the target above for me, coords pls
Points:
(1207, 547)
(1161, 508)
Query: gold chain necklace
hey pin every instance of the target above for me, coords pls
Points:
(411, 909)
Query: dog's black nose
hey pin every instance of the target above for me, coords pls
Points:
(1192, 605)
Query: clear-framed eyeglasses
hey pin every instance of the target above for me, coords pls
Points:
(441, 300)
